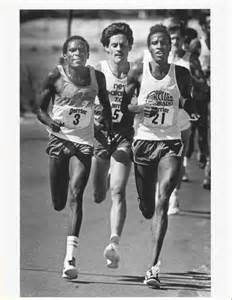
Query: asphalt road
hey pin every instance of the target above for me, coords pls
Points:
(185, 257)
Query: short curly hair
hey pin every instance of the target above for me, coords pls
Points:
(156, 29)
(116, 28)
(73, 38)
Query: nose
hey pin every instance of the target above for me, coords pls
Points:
(119, 47)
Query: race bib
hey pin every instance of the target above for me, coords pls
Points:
(116, 112)
(74, 117)
(163, 118)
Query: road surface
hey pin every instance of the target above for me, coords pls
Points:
(185, 257)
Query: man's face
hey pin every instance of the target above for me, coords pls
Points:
(159, 47)
(77, 53)
(177, 40)
(118, 48)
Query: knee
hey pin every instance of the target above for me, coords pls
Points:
(118, 193)
(162, 205)
(98, 196)
(146, 210)
(58, 206)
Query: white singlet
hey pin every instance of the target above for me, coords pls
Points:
(74, 107)
(205, 55)
(163, 94)
(183, 119)
(115, 87)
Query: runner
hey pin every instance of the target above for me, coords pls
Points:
(205, 64)
(112, 162)
(157, 145)
(72, 88)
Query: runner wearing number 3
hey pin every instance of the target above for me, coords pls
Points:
(115, 156)
(71, 88)
(157, 145)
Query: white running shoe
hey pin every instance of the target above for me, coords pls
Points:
(152, 277)
(173, 208)
(70, 269)
(111, 254)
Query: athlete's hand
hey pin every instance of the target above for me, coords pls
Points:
(150, 110)
(55, 125)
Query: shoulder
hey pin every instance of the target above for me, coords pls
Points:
(99, 66)
(181, 71)
(182, 74)
(135, 71)
(52, 77)
(100, 77)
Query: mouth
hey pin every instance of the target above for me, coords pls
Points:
(159, 53)
(120, 55)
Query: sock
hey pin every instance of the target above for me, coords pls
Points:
(185, 161)
(71, 247)
(114, 239)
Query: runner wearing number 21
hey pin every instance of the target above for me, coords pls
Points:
(71, 89)
(112, 161)
(157, 145)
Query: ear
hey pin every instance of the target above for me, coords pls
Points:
(106, 48)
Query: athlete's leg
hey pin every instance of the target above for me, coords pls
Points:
(119, 174)
(168, 172)
(185, 136)
(174, 198)
(59, 179)
(145, 179)
(79, 174)
(100, 169)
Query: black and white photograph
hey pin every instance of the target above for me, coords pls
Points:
(115, 135)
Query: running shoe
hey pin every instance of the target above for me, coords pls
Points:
(111, 254)
(70, 269)
(185, 177)
(152, 277)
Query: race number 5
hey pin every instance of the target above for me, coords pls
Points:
(116, 115)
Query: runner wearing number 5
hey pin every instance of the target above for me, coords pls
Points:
(157, 145)
(71, 88)
(115, 156)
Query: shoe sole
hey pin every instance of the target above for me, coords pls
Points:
(111, 261)
(70, 274)
(111, 264)
(152, 283)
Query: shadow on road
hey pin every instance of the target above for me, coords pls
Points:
(188, 281)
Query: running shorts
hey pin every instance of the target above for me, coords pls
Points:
(150, 152)
(104, 149)
(60, 148)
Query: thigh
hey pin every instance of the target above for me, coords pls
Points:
(79, 173)
(59, 180)
(100, 169)
(185, 136)
(119, 171)
(145, 178)
(168, 172)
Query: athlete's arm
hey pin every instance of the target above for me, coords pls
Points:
(104, 100)
(133, 84)
(185, 86)
(47, 93)
(197, 75)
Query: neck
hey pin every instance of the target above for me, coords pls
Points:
(159, 70)
(119, 70)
